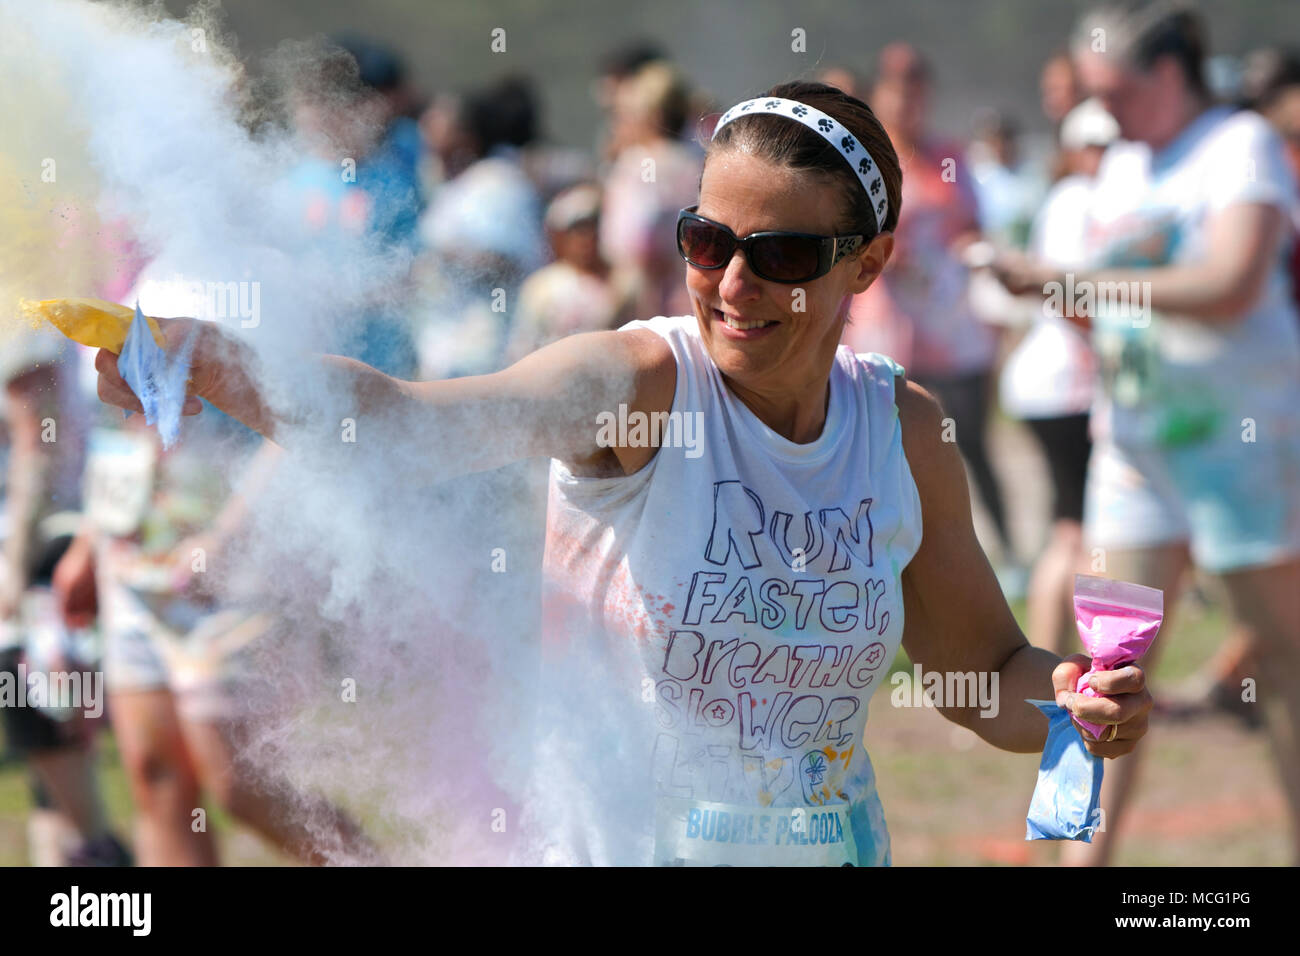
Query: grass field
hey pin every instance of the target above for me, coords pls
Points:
(1207, 797)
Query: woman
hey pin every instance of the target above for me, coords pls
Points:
(653, 174)
(739, 654)
(1196, 455)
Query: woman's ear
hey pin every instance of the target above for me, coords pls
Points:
(870, 262)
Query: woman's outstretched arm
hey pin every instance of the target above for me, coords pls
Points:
(546, 404)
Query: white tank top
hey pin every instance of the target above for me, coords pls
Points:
(716, 624)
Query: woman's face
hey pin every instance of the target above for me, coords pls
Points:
(799, 326)
(1059, 89)
(1149, 106)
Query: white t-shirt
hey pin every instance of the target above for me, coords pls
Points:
(1052, 372)
(715, 625)
(491, 207)
(1176, 380)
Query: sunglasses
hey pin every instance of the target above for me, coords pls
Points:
(785, 257)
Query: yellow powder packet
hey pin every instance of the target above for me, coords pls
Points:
(92, 322)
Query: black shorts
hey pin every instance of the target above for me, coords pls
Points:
(27, 729)
(1066, 444)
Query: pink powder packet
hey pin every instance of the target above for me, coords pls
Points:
(1117, 623)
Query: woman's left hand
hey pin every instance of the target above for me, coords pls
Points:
(1126, 704)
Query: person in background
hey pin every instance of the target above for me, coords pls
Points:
(1058, 88)
(1196, 425)
(1007, 190)
(844, 78)
(383, 74)
(1269, 85)
(654, 175)
(1049, 379)
(44, 417)
(579, 291)
(482, 231)
(343, 107)
(616, 68)
(919, 311)
(1059, 92)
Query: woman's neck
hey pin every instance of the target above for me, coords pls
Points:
(798, 418)
(1192, 110)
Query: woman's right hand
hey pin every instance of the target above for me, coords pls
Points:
(113, 389)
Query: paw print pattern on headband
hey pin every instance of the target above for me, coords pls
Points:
(824, 126)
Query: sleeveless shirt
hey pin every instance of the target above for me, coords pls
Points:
(716, 624)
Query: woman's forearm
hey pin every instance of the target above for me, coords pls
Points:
(228, 375)
(223, 375)
(1243, 240)
(1197, 292)
(545, 405)
(1019, 727)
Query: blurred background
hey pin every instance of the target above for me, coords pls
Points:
(985, 53)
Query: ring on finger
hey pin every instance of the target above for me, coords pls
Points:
(1114, 732)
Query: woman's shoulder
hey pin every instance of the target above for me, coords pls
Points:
(1246, 124)
(677, 335)
(919, 412)
(654, 347)
(885, 380)
(872, 369)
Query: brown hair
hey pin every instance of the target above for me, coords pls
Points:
(1139, 32)
(785, 143)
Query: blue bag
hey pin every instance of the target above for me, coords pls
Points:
(158, 382)
(1066, 798)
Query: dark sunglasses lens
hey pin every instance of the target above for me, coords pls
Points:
(785, 258)
(704, 245)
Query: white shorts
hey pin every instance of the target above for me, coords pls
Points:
(1235, 502)
(206, 665)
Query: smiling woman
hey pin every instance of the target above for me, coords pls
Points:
(730, 607)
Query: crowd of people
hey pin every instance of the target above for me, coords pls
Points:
(1153, 169)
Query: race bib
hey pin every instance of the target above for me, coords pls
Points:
(119, 479)
(701, 833)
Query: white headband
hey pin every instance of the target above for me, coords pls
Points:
(854, 153)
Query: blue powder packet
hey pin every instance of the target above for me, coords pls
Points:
(1066, 798)
(159, 382)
